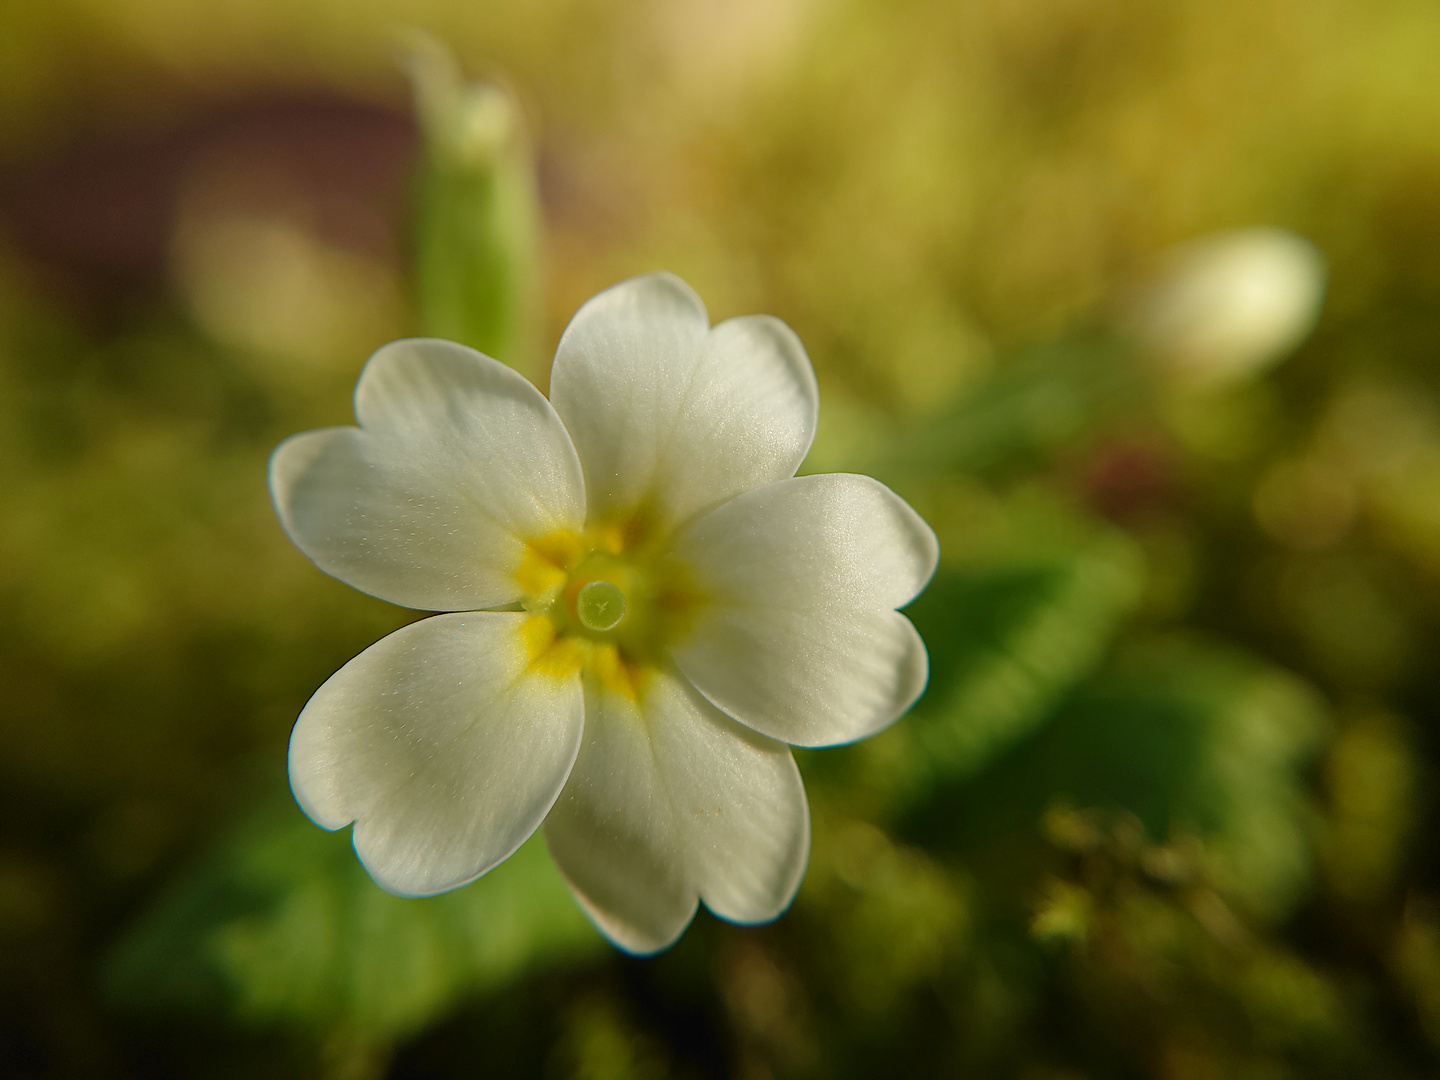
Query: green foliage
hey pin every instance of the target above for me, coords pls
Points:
(1007, 640)
(1023, 608)
(1126, 920)
(1191, 739)
(281, 924)
(1042, 399)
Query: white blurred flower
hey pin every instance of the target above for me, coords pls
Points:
(1228, 305)
(646, 606)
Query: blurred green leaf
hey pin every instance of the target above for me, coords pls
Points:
(477, 212)
(1041, 399)
(282, 924)
(1007, 637)
(1189, 738)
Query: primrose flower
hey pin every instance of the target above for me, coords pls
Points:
(644, 606)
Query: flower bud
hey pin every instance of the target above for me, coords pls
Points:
(477, 214)
(1227, 306)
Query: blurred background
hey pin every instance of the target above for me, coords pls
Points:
(1164, 811)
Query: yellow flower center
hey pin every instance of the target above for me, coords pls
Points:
(609, 601)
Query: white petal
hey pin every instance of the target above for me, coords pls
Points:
(739, 799)
(799, 638)
(669, 801)
(457, 462)
(613, 834)
(442, 745)
(670, 416)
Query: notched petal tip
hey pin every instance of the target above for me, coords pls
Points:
(672, 803)
(672, 415)
(908, 532)
(441, 745)
(428, 503)
(802, 640)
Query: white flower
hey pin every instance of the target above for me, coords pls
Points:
(1229, 305)
(647, 605)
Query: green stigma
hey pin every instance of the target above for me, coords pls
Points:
(600, 606)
